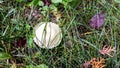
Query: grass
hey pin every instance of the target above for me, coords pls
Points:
(74, 49)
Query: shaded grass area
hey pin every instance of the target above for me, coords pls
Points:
(74, 49)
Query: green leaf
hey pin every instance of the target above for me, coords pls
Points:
(56, 1)
(45, 8)
(35, 2)
(30, 4)
(53, 8)
(27, 26)
(40, 3)
(4, 56)
(117, 1)
(42, 66)
(64, 3)
(30, 42)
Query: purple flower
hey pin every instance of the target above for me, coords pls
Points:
(97, 20)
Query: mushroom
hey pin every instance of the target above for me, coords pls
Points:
(47, 35)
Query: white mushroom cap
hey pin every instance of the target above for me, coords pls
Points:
(48, 35)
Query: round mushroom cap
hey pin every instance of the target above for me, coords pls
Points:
(48, 35)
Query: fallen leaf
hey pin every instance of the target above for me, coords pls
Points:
(97, 20)
(95, 63)
(98, 63)
(106, 50)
